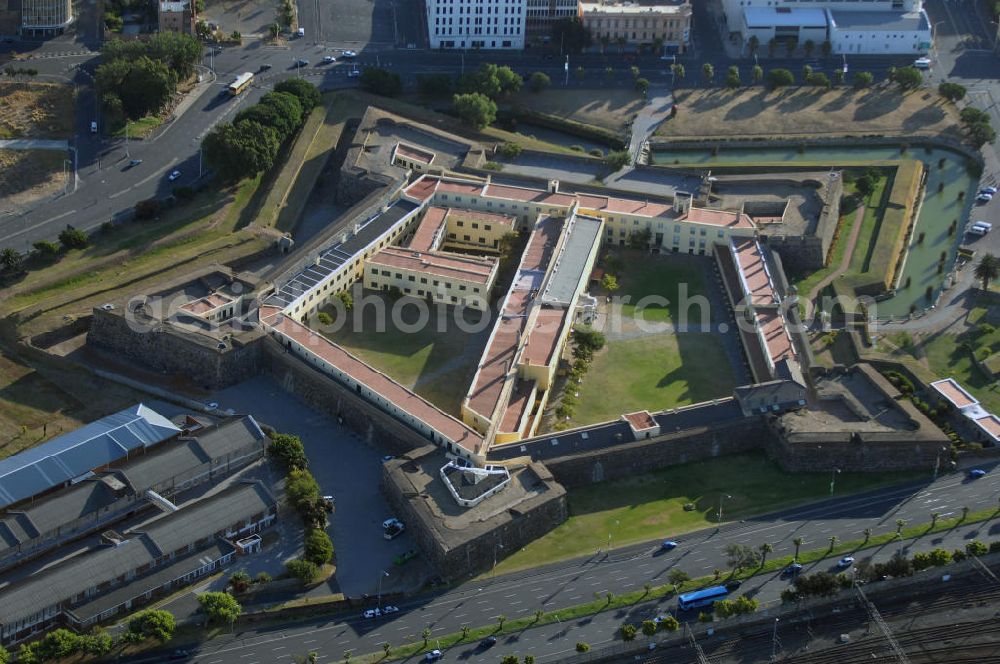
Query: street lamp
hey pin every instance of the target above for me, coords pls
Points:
(719, 515)
(833, 479)
(381, 576)
(609, 537)
(495, 547)
(937, 461)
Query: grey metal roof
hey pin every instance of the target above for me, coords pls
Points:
(230, 437)
(66, 506)
(332, 259)
(150, 582)
(880, 21)
(206, 517)
(571, 261)
(76, 453)
(149, 470)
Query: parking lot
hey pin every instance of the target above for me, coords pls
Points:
(348, 469)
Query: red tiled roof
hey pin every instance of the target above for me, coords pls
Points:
(375, 380)
(207, 303)
(990, 423)
(485, 217)
(452, 187)
(423, 237)
(953, 392)
(484, 395)
(624, 205)
(520, 402)
(414, 154)
(422, 189)
(641, 420)
(525, 195)
(449, 266)
(717, 218)
(543, 336)
(541, 244)
(751, 264)
(779, 344)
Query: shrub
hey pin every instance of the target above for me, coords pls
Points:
(324, 318)
(46, 248)
(976, 548)
(318, 547)
(303, 570)
(287, 449)
(239, 581)
(779, 78)
(301, 487)
(155, 624)
(73, 238)
(510, 150)
(670, 624)
(628, 632)
(582, 646)
(704, 617)
(220, 607)
(262, 577)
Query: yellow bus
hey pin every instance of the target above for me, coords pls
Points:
(241, 83)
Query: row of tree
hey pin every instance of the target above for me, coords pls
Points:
(138, 77)
(250, 144)
(62, 643)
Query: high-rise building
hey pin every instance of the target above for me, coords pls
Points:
(45, 17)
(476, 24)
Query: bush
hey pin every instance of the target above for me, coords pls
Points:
(670, 624)
(704, 617)
(628, 632)
(220, 607)
(510, 150)
(239, 581)
(46, 248)
(475, 109)
(539, 81)
(154, 624)
(262, 577)
(976, 548)
(617, 159)
(780, 78)
(318, 547)
(582, 646)
(73, 238)
(301, 487)
(381, 82)
(951, 91)
(287, 449)
(303, 570)
(324, 318)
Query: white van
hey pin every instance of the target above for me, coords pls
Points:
(984, 224)
(922, 63)
(301, 32)
(976, 229)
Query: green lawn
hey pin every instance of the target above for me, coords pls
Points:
(438, 365)
(655, 372)
(947, 358)
(139, 128)
(806, 283)
(671, 277)
(874, 209)
(651, 506)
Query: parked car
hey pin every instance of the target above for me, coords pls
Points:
(329, 58)
(265, 67)
(394, 531)
(93, 126)
(301, 62)
(660, 618)
(976, 473)
(353, 73)
(984, 197)
(174, 175)
(922, 63)
(388, 457)
(134, 162)
(988, 190)
(433, 656)
(301, 32)
(845, 562)
(372, 613)
(180, 654)
(390, 522)
(348, 54)
(668, 545)
(733, 585)
(389, 608)
(488, 642)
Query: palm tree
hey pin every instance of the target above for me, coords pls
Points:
(501, 619)
(647, 587)
(965, 513)
(347, 657)
(868, 534)
(708, 71)
(465, 631)
(833, 541)
(797, 542)
(765, 549)
(387, 648)
(752, 44)
(987, 270)
(934, 518)
(899, 527)
(809, 47)
(538, 615)
(678, 70)
(426, 633)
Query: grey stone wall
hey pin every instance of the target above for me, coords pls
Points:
(164, 348)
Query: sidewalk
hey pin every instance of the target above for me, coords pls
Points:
(33, 144)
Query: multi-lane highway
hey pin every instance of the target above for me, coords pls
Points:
(561, 585)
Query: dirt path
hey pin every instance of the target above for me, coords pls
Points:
(845, 263)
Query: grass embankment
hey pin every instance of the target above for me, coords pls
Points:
(846, 224)
(27, 175)
(140, 128)
(605, 108)
(651, 506)
(808, 112)
(36, 110)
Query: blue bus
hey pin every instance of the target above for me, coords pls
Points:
(701, 597)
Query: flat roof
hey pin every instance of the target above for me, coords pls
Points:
(440, 264)
(712, 217)
(754, 275)
(414, 153)
(460, 214)
(776, 337)
(766, 17)
(208, 303)
(881, 21)
(543, 337)
(954, 393)
(375, 380)
(78, 452)
(630, 8)
(640, 421)
(990, 425)
(340, 253)
(570, 269)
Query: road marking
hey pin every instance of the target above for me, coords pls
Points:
(41, 223)
(278, 648)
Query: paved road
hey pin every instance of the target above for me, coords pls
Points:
(478, 602)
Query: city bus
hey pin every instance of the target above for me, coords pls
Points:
(241, 83)
(699, 598)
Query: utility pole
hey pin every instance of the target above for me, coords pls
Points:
(199, 162)
(566, 67)
(719, 515)
(381, 576)
(876, 618)
(127, 155)
(833, 479)
(775, 642)
(697, 648)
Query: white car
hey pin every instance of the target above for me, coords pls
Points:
(845, 562)
(391, 521)
(988, 190)
(354, 73)
(372, 613)
(922, 63)
(389, 608)
(348, 54)
(984, 197)
(174, 175)
(329, 58)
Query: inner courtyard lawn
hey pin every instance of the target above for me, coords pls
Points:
(671, 277)
(436, 360)
(650, 507)
(656, 372)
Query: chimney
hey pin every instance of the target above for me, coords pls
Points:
(682, 202)
(553, 186)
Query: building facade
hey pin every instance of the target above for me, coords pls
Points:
(442, 277)
(666, 26)
(45, 17)
(476, 24)
(177, 17)
(541, 14)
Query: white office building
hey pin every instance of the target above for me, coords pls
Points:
(869, 27)
(476, 24)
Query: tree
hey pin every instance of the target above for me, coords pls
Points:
(819, 80)
(965, 510)
(808, 47)
(976, 548)
(278, 110)
(426, 634)
(381, 82)
(318, 547)
(741, 556)
(865, 185)
(509, 659)
(539, 614)
(239, 150)
(899, 527)
(10, 260)
(153, 624)
(634, 71)
(670, 623)
(951, 91)
(677, 577)
(301, 487)
(648, 627)
(756, 74)
(863, 79)
(733, 77)
(838, 76)
(435, 85)
(981, 133)
(571, 35)
(528, 659)
(73, 238)
(501, 619)
(971, 115)
(708, 72)
(539, 81)
(58, 643)
(798, 543)
(807, 71)
(753, 44)
(934, 518)
(826, 48)
(588, 337)
(346, 299)
(143, 85)
(833, 541)
(98, 643)
(511, 150)
(765, 549)
(868, 534)
(303, 570)
(678, 70)
(220, 607)
(628, 632)
(779, 78)
(387, 648)
(609, 283)
(307, 93)
(642, 86)
(510, 81)
(987, 270)
(908, 77)
(46, 248)
(475, 109)
(617, 159)
(28, 653)
(4, 655)
(288, 450)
